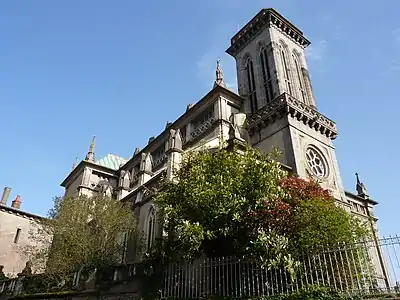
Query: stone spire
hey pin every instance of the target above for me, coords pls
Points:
(361, 189)
(137, 150)
(90, 154)
(219, 76)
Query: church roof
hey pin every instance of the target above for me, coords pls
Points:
(111, 161)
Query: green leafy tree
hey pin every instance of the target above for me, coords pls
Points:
(208, 209)
(313, 220)
(228, 203)
(87, 233)
(321, 224)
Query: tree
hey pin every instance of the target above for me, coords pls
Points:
(313, 219)
(207, 210)
(87, 233)
(228, 203)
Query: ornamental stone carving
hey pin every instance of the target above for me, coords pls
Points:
(146, 163)
(202, 128)
(121, 178)
(287, 105)
(126, 180)
(316, 162)
(237, 128)
(160, 160)
(175, 140)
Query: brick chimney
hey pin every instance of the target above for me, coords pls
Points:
(17, 202)
(6, 194)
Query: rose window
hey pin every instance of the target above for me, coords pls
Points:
(316, 162)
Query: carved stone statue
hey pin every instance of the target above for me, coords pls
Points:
(27, 271)
(361, 189)
(219, 76)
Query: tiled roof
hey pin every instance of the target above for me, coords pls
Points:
(111, 161)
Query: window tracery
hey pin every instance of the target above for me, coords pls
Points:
(316, 162)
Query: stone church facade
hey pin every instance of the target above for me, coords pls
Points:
(274, 106)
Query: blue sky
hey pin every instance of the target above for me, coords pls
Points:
(121, 69)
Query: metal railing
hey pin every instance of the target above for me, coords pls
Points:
(367, 267)
(77, 281)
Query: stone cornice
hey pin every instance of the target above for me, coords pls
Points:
(20, 213)
(265, 18)
(209, 98)
(79, 168)
(287, 105)
(361, 199)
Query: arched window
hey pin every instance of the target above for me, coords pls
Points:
(266, 73)
(285, 68)
(252, 85)
(151, 226)
(302, 90)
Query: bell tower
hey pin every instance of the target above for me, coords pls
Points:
(281, 111)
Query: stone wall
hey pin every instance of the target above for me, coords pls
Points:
(14, 235)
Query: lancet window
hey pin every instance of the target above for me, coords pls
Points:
(266, 73)
(302, 91)
(151, 225)
(285, 68)
(251, 86)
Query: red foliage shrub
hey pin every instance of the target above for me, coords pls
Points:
(278, 214)
(274, 214)
(298, 189)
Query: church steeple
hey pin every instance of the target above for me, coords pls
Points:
(279, 104)
(361, 189)
(90, 155)
(219, 76)
(270, 60)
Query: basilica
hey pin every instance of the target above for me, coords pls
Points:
(274, 107)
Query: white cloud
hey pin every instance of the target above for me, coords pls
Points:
(317, 51)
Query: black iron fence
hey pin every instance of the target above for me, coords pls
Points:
(368, 267)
